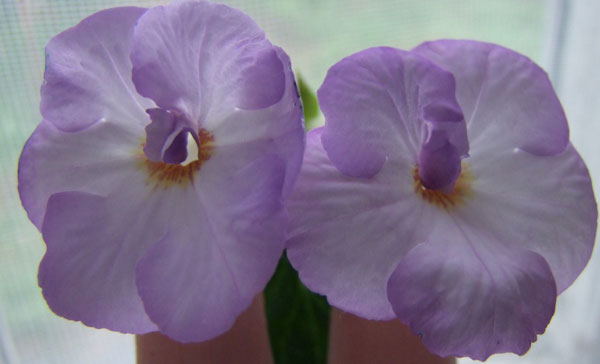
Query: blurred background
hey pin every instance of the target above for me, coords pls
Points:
(561, 35)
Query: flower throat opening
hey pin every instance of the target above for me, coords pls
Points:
(445, 199)
(165, 175)
(173, 150)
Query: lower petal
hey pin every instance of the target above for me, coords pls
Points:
(468, 296)
(209, 267)
(87, 273)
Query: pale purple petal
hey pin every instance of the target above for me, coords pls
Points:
(92, 160)
(348, 234)
(466, 294)
(93, 243)
(278, 128)
(546, 205)
(205, 60)
(262, 82)
(507, 99)
(383, 103)
(88, 73)
(224, 240)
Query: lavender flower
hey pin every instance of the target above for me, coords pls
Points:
(397, 214)
(142, 235)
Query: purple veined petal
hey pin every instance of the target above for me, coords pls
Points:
(226, 237)
(93, 243)
(545, 204)
(347, 234)
(278, 128)
(92, 160)
(88, 73)
(381, 103)
(507, 99)
(468, 295)
(202, 58)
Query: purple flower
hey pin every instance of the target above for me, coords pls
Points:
(142, 235)
(396, 214)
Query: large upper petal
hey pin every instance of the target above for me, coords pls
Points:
(508, 100)
(205, 60)
(88, 73)
(225, 236)
(381, 103)
(544, 204)
(467, 294)
(347, 234)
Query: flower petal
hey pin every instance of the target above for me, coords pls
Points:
(225, 238)
(467, 295)
(379, 104)
(277, 129)
(546, 205)
(507, 99)
(88, 73)
(93, 243)
(87, 194)
(347, 234)
(92, 160)
(205, 60)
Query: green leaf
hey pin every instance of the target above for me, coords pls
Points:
(298, 319)
(309, 103)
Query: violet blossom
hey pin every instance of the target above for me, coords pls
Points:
(170, 137)
(443, 191)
